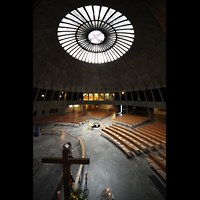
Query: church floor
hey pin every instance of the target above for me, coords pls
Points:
(127, 179)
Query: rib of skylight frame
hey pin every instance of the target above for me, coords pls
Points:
(125, 41)
(74, 18)
(90, 12)
(110, 55)
(118, 49)
(114, 17)
(121, 23)
(109, 14)
(105, 25)
(115, 53)
(67, 29)
(64, 33)
(68, 25)
(123, 44)
(93, 57)
(118, 20)
(68, 43)
(125, 31)
(73, 51)
(108, 58)
(103, 11)
(83, 28)
(82, 55)
(122, 18)
(84, 46)
(96, 57)
(83, 13)
(104, 57)
(69, 50)
(130, 39)
(89, 47)
(65, 37)
(85, 56)
(79, 52)
(69, 21)
(104, 48)
(66, 40)
(100, 60)
(78, 16)
(88, 58)
(121, 48)
(126, 35)
(126, 27)
(70, 47)
(96, 11)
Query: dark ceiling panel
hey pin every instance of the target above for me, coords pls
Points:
(143, 66)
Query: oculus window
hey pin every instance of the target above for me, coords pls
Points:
(95, 34)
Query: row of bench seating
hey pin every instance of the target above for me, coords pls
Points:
(46, 119)
(130, 120)
(159, 140)
(152, 144)
(158, 163)
(117, 141)
(158, 126)
(98, 114)
(133, 140)
(72, 119)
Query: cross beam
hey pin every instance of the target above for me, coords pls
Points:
(67, 162)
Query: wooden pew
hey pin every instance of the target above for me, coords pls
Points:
(162, 155)
(138, 142)
(117, 142)
(128, 138)
(139, 137)
(150, 138)
(157, 164)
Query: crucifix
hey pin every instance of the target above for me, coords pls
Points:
(67, 162)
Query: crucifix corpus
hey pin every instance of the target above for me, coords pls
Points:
(67, 162)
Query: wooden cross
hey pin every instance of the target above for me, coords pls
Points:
(67, 162)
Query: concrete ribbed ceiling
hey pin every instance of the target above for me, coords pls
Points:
(143, 66)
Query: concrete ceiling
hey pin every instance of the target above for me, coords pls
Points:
(143, 66)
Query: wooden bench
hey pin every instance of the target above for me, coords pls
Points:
(52, 130)
(150, 138)
(138, 142)
(157, 164)
(138, 137)
(126, 138)
(162, 155)
(117, 142)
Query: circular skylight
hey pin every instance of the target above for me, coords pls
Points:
(95, 34)
(96, 37)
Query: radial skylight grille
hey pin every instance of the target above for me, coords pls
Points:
(95, 34)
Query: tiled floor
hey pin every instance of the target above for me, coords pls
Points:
(127, 179)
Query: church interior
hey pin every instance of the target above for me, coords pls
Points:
(99, 91)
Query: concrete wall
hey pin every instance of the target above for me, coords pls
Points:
(63, 106)
(157, 111)
(39, 106)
